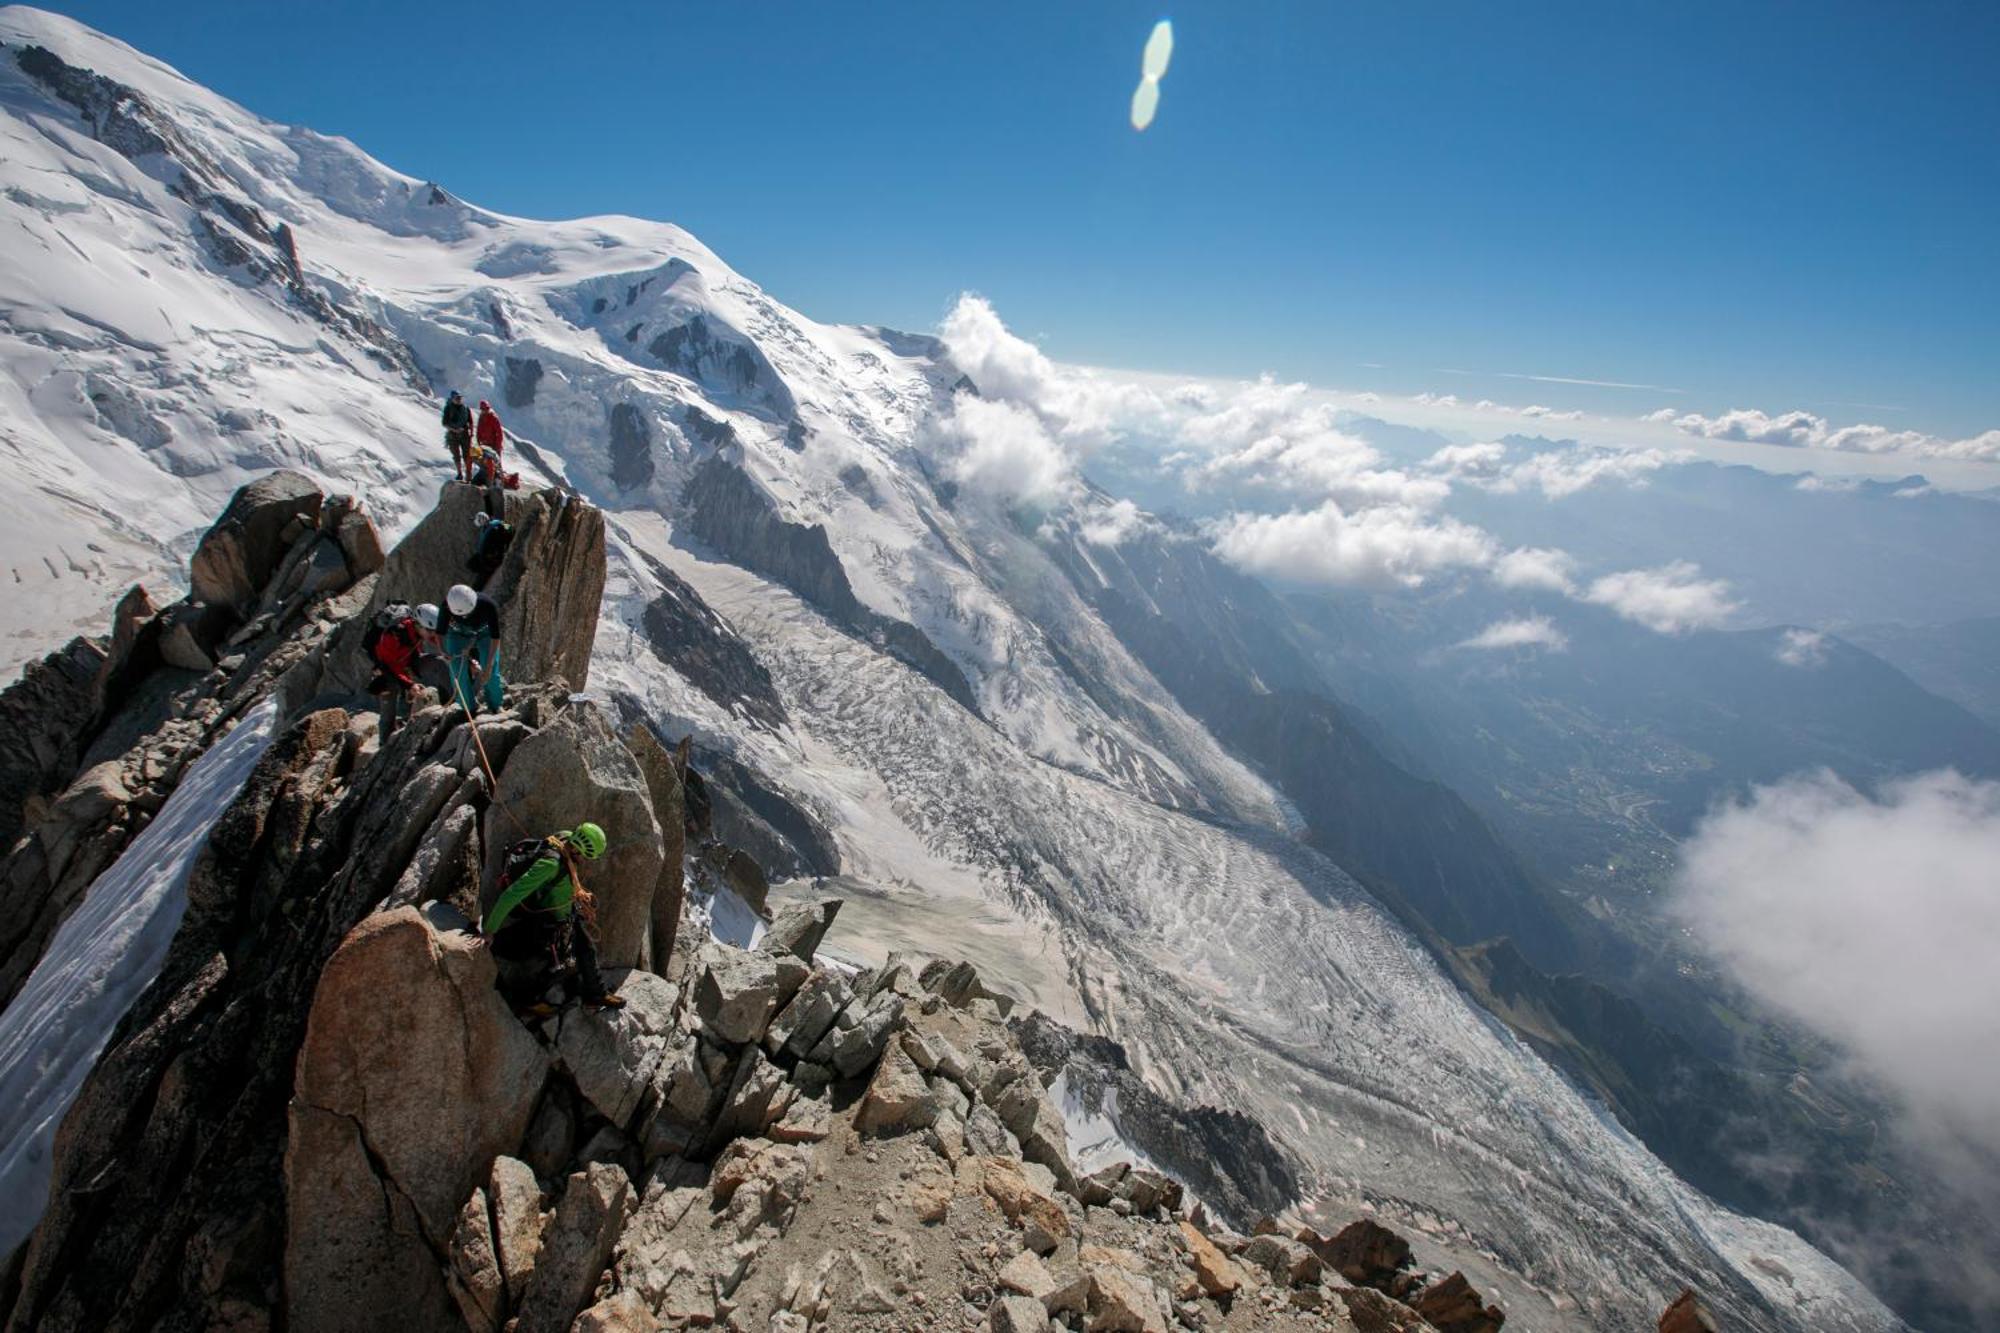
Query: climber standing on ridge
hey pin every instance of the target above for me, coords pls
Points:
(544, 914)
(458, 433)
(472, 643)
(491, 434)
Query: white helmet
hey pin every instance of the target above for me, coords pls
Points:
(481, 519)
(461, 599)
(427, 616)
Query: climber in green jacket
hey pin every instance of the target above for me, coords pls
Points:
(545, 913)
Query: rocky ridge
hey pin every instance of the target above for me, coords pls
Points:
(322, 1114)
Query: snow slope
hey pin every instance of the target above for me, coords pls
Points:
(1116, 865)
(102, 957)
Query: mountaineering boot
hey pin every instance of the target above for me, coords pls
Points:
(540, 1009)
(606, 1002)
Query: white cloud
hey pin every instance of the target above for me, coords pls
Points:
(1671, 599)
(1875, 920)
(1563, 472)
(1522, 632)
(1110, 524)
(1536, 567)
(1388, 546)
(1803, 648)
(1003, 449)
(1555, 472)
(1805, 430)
(1437, 399)
(1468, 462)
(1081, 409)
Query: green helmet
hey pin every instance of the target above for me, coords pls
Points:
(588, 839)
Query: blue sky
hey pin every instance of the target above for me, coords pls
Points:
(1769, 206)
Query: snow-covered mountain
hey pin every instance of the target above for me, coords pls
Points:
(908, 673)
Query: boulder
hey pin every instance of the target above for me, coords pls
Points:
(1121, 1302)
(650, 1255)
(798, 928)
(475, 1281)
(1020, 1200)
(1285, 1259)
(1364, 1253)
(898, 1099)
(1687, 1315)
(1028, 1276)
(1217, 1274)
(986, 1136)
(613, 1055)
(799, 1026)
(572, 769)
(1453, 1306)
(623, 1312)
(238, 554)
(757, 1096)
(1017, 1314)
(1375, 1312)
(351, 528)
(412, 1077)
(575, 1249)
(852, 1048)
(741, 990)
(518, 1219)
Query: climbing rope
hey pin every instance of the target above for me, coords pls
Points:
(485, 762)
(585, 901)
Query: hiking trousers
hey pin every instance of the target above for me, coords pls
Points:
(532, 945)
(463, 648)
(455, 440)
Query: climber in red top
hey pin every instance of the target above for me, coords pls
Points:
(393, 642)
(490, 433)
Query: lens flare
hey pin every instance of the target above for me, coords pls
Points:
(1159, 50)
(1145, 101)
(1152, 68)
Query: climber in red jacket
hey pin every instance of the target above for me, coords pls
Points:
(392, 642)
(490, 434)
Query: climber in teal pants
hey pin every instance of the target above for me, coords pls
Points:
(472, 648)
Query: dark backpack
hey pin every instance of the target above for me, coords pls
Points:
(522, 855)
(491, 547)
(386, 620)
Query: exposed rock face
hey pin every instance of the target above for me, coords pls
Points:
(726, 509)
(400, 1109)
(752, 813)
(241, 551)
(631, 447)
(524, 374)
(168, 1204)
(722, 364)
(549, 587)
(147, 724)
(576, 769)
(664, 783)
(683, 630)
(575, 1249)
(42, 719)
